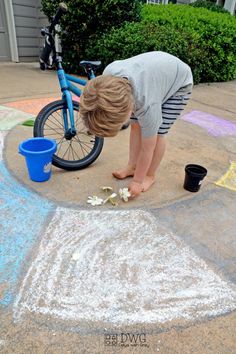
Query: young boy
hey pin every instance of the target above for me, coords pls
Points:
(150, 89)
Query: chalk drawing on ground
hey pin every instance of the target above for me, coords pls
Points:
(215, 126)
(2, 137)
(9, 117)
(34, 105)
(228, 180)
(120, 267)
(22, 216)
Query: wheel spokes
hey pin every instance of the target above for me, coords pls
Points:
(79, 147)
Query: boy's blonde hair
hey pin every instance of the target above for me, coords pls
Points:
(105, 104)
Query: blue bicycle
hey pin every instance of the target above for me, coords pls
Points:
(59, 120)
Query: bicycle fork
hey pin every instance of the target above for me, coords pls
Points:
(70, 131)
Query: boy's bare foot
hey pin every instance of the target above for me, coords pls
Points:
(127, 171)
(148, 182)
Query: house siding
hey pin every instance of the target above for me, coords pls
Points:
(28, 21)
(184, 2)
(4, 37)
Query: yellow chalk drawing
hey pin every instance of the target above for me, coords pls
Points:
(229, 178)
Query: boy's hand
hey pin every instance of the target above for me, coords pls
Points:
(135, 189)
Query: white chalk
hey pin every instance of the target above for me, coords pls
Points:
(122, 267)
(2, 136)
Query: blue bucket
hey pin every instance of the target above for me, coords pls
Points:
(38, 154)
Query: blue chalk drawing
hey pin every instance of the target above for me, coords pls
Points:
(22, 216)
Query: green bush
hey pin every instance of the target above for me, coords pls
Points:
(136, 38)
(209, 5)
(87, 20)
(205, 40)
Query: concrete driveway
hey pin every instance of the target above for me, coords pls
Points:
(156, 274)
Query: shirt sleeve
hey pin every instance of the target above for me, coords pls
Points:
(150, 120)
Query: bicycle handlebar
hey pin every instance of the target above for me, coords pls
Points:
(62, 9)
(49, 41)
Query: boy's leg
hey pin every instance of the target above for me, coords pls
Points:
(134, 148)
(156, 160)
(171, 110)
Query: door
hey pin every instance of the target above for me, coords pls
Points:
(4, 38)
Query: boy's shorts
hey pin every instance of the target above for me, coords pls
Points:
(171, 110)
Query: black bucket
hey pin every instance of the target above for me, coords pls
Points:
(194, 175)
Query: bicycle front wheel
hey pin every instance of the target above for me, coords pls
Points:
(73, 153)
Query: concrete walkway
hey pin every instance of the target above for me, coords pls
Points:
(153, 275)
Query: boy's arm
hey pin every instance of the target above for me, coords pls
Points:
(143, 164)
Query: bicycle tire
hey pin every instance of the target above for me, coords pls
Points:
(40, 130)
